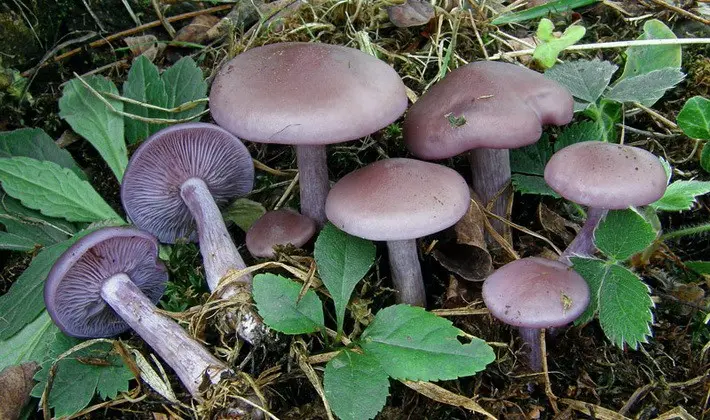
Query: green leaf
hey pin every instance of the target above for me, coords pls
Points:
(585, 79)
(577, 133)
(532, 184)
(355, 385)
(243, 212)
(145, 85)
(646, 88)
(607, 115)
(556, 6)
(185, 83)
(35, 143)
(694, 118)
(78, 378)
(546, 53)
(411, 343)
(701, 267)
(621, 298)
(13, 242)
(531, 160)
(342, 260)
(31, 224)
(53, 190)
(681, 195)
(277, 301)
(94, 121)
(705, 157)
(623, 233)
(645, 59)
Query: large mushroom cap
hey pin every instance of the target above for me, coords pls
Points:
(279, 227)
(72, 292)
(606, 175)
(306, 93)
(151, 185)
(398, 199)
(485, 105)
(536, 293)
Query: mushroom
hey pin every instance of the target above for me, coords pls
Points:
(603, 176)
(307, 95)
(279, 228)
(398, 201)
(486, 108)
(108, 282)
(535, 293)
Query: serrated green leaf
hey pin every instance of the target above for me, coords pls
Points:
(277, 301)
(31, 224)
(532, 184)
(546, 53)
(701, 267)
(644, 59)
(623, 233)
(355, 385)
(12, 242)
(531, 160)
(243, 212)
(145, 85)
(646, 88)
(555, 6)
(592, 270)
(411, 343)
(36, 144)
(694, 118)
(342, 260)
(184, 83)
(705, 157)
(53, 190)
(94, 121)
(681, 195)
(577, 133)
(585, 79)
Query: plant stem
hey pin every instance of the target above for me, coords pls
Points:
(490, 169)
(583, 244)
(313, 170)
(685, 232)
(406, 272)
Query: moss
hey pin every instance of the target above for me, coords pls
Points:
(18, 43)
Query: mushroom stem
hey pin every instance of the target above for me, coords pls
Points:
(531, 337)
(219, 254)
(583, 244)
(406, 272)
(192, 363)
(312, 164)
(490, 169)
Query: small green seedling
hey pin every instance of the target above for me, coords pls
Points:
(551, 46)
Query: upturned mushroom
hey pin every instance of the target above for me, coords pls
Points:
(279, 228)
(398, 201)
(108, 282)
(603, 176)
(307, 95)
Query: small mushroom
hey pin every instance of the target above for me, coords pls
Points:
(398, 201)
(108, 282)
(603, 176)
(535, 293)
(307, 95)
(279, 227)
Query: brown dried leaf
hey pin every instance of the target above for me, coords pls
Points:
(411, 13)
(556, 224)
(146, 45)
(196, 31)
(15, 385)
(445, 396)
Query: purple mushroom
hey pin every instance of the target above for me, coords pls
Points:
(486, 108)
(535, 293)
(398, 201)
(307, 95)
(279, 227)
(603, 176)
(108, 282)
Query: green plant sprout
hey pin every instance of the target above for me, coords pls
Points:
(551, 46)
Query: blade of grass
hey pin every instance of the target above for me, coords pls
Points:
(557, 6)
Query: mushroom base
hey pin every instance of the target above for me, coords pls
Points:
(406, 272)
(490, 169)
(313, 180)
(531, 337)
(583, 244)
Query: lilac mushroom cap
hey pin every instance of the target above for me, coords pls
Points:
(278, 227)
(150, 191)
(72, 292)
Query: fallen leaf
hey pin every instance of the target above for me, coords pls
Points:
(15, 385)
(411, 13)
(196, 30)
(556, 224)
(146, 45)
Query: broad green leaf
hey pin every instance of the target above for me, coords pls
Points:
(35, 143)
(555, 6)
(681, 195)
(577, 133)
(705, 157)
(531, 160)
(546, 53)
(243, 212)
(12, 242)
(145, 85)
(31, 224)
(79, 376)
(592, 270)
(53, 190)
(694, 118)
(277, 301)
(95, 121)
(702, 267)
(585, 79)
(185, 83)
(646, 88)
(645, 59)
(610, 113)
(532, 184)
(343, 260)
(623, 233)
(355, 385)
(411, 343)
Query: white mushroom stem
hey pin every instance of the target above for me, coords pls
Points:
(190, 360)
(219, 255)
(313, 180)
(490, 169)
(406, 272)
(583, 244)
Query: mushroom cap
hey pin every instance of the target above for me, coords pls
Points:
(536, 293)
(151, 185)
(306, 93)
(485, 104)
(279, 227)
(72, 292)
(606, 175)
(398, 199)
